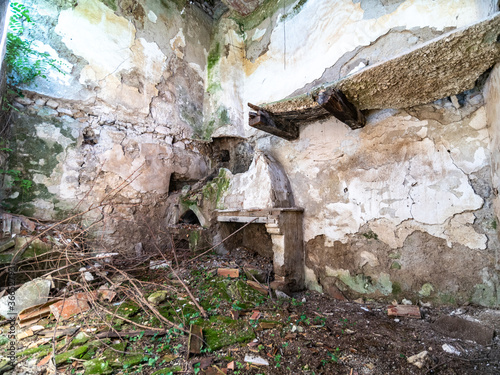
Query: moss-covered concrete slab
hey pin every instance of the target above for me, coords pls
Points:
(444, 66)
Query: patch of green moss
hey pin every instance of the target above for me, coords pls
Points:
(395, 266)
(194, 238)
(132, 360)
(213, 57)
(97, 366)
(447, 299)
(370, 235)
(80, 339)
(396, 288)
(249, 294)
(110, 4)
(168, 370)
(221, 331)
(114, 354)
(214, 87)
(294, 11)
(214, 190)
(486, 294)
(426, 290)
(264, 11)
(128, 309)
(93, 346)
(75, 353)
(39, 349)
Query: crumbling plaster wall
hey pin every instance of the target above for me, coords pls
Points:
(120, 117)
(492, 91)
(402, 207)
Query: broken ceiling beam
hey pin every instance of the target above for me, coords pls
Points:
(335, 102)
(266, 121)
(444, 66)
(323, 104)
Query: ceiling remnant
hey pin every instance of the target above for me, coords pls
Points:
(444, 66)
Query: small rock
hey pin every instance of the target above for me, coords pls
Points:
(406, 302)
(281, 294)
(418, 359)
(158, 297)
(450, 349)
(459, 328)
(256, 360)
(65, 111)
(162, 130)
(32, 293)
(52, 103)
(159, 264)
(7, 244)
(24, 101)
(47, 112)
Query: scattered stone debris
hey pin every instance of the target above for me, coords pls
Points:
(256, 360)
(418, 359)
(450, 349)
(249, 329)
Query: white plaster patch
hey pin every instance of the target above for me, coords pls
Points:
(258, 34)
(152, 16)
(446, 190)
(52, 134)
(92, 21)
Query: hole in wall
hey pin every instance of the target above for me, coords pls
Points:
(89, 137)
(189, 217)
(177, 182)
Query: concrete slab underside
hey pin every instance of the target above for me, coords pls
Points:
(444, 66)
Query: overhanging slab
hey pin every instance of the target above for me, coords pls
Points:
(444, 66)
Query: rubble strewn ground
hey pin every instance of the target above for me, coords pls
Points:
(148, 320)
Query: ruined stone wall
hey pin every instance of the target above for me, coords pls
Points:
(118, 119)
(402, 207)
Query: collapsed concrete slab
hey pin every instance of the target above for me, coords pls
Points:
(444, 66)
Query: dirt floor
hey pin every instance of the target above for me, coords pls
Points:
(306, 333)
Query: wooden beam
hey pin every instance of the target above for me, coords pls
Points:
(336, 103)
(265, 121)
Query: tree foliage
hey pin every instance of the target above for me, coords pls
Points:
(24, 62)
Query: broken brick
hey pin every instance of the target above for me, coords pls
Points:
(256, 315)
(410, 311)
(45, 360)
(71, 306)
(228, 272)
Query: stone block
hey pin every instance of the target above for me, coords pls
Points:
(459, 328)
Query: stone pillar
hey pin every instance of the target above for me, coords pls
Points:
(285, 228)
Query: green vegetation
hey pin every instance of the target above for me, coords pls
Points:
(24, 63)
